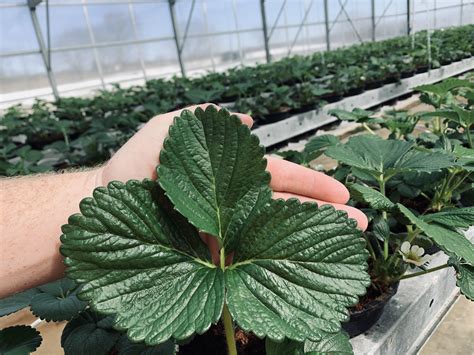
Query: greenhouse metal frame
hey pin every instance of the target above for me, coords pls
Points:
(296, 43)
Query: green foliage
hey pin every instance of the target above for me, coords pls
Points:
(449, 240)
(383, 159)
(465, 276)
(372, 197)
(57, 301)
(19, 340)
(146, 264)
(312, 150)
(336, 344)
(75, 131)
(17, 301)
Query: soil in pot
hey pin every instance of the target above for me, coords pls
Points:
(213, 343)
(370, 308)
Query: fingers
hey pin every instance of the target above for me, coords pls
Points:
(296, 179)
(352, 212)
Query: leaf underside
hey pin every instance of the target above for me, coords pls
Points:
(447, 239)
(296, 267)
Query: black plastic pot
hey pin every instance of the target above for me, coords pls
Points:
(331, 97)
(354, 91)
(373, 85)
(363, 320)
(275, 117)
(407, 74)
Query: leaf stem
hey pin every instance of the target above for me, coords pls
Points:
(229, 331)
(368, 128)
(424, 272)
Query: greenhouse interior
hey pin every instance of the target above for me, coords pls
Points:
(237, 177)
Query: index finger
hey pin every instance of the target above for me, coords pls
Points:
(296, 179)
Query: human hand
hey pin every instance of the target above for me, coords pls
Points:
(138, 158)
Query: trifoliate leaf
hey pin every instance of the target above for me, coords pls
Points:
(453, 218)
(299, 277)
(89, 334)
(375, 199)
(334, 344)
(141, 259)
(447, 239)
(320, 142)
(19, 340)
(296, 266)
(17, 301)
(57, 301)
(380, 157)
(209, 163)
(443, 87)
(465, 276)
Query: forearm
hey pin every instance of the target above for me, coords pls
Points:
(32, 211)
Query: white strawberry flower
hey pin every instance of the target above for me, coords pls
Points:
(413, 254)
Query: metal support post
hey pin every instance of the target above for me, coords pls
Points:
(265, 30)
(461, 7)
(408, 17)
(373, 19)
(326, 22)
(45, 51)
(175, 32)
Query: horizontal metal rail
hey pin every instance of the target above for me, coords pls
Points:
(293, 126)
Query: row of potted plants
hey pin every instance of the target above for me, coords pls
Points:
(291, 277)
(86, 131)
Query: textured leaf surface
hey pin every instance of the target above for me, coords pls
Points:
(57, 301)
(19, 340)
(208, 166)
(336, 344)
(89, 334)
(299, 277)
(448, 240)
(16, 302)
(453, 218)
(375, 199)
(297, 267)
(379, 156)
(140, 259)
(465, 276)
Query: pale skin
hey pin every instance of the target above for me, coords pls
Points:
(33, 208)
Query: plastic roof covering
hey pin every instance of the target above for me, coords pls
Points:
(94, 43)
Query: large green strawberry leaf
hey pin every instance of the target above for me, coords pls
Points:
(209, 165)
(296, 267)
(443, 87)
(448, 240)
(130, 251)
(300, 277)
(384, 158)
(19, 340)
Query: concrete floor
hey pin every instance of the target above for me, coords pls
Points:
(455, 333)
